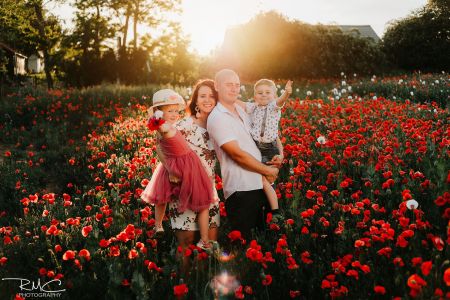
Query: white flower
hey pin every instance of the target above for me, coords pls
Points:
(297, 90)
(414, 86)
(319, 105)
(129, 103)
(372, 79)
(354, 74)
(144, 97)
(342, 73)
(282, 91)
(186, 97)
(308, 93)
(158, 114)
(374, 98)
(419, 109)
(243, 88)
(412, 204)
(343, 91)
(349, 88)
(400, 81)
(336, 97)
(436, 81)
(394, 98)
(321, 140)
(435, 111)
(412, 93)
(301, 102)
(350, 97)
(278, 86)
(335, 91)
(343, 83)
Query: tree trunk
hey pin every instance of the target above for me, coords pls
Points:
(135, 22)
(97, 33)
(125, 29)
(41, 29)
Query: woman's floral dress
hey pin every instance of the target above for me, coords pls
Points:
(198, 139)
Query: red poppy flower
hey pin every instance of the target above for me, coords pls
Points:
(133, 254)
(238, 294)
(426, 267)
(235, 235)
(294, 294)
(180, 290)
(416, 282)
(379, 290)
(3, 260)
(154, 123)
(267, 280)
(68, 255)
(447, 276)
(85, 254)
(86, 230)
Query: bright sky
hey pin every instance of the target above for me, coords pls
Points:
(206, 21)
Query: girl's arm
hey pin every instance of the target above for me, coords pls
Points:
(286, 94)
(166, 132)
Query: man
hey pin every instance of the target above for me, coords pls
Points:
(240, 160)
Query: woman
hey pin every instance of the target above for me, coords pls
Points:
(193, 128)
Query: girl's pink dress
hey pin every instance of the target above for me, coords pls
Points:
(195, 190)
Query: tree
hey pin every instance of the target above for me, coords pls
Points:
(270, 45)
(422, 39)
(49, 35)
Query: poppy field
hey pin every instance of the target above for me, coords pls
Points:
(364, 189)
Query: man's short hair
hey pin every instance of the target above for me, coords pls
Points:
(267, 82)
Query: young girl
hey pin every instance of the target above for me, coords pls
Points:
(265, 114)
(180, 176)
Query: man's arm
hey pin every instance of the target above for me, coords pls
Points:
(247, 161)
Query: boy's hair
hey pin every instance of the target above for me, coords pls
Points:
(267, 82)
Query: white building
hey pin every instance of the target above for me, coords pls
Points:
(36, 63)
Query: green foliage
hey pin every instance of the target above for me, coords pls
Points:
(421, 41)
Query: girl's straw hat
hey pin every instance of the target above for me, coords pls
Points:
(166, 97)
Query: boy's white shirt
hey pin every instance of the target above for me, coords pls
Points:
(256, 113)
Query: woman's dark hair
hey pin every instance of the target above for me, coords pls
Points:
(190, 109)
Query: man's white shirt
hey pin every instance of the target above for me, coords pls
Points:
(223, 127)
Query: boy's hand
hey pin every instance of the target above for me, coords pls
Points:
(288, 87)
(276, 161)
(173, 178)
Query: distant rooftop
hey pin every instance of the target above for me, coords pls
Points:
(363, 30)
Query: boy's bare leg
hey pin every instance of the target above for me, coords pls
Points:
(270, 193)
(203, 224)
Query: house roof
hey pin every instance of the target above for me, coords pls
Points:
(363, 30)
(8, 48)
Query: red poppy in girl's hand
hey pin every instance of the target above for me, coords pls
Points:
(154, 123)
